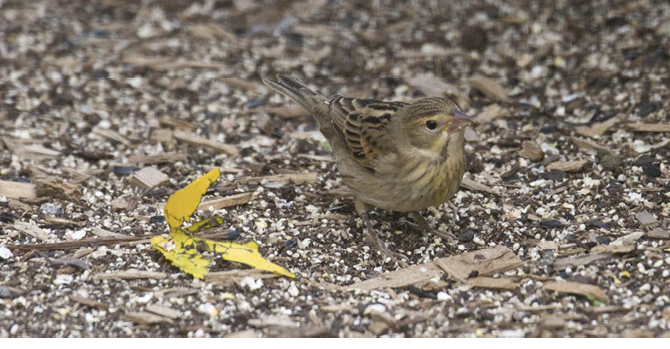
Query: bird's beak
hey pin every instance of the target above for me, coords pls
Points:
(459, 121)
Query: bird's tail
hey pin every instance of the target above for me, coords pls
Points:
(296, 90)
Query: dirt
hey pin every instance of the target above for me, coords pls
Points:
(86, 86)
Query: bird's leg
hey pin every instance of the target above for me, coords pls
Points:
(425, 228)
(371, 234)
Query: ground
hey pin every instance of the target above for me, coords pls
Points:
(564, 172)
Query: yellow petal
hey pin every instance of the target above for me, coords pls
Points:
(183, 203)
(182, 255)
(245, 253)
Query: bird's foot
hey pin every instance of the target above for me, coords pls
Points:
(377, 244)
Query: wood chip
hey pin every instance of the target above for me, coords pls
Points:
(31, 229)
(476, 263)
(628, 239)
(480, 263)
(88, 302)
(29, 149)
(18, 190)
(431, 85)
(490, 88)
(130, 274)
(179, 124)
(648, 127)
(105, 233)
(57, 188)
(203, 142)
(234, 277)
(111, 135)
(144, 318)
(273, 321)
(493, 283)
(228, 201)
(613, 249)
(531, 151)
(469, 184)
(164, 311)
(297, 178)
(164, 158)
(567, 166)
(588, 146)
(575, 261)
(646, 219)
(489, 114)
(598, 128)
(577, 288)
(659, 233)
(148, 178)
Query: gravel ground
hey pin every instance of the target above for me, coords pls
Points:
(564, 170)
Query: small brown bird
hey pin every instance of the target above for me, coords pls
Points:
(393, 155)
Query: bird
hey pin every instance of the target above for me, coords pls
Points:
(392, 155)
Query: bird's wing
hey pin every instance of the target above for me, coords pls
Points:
(362, 124)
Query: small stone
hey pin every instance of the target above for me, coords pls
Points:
(474, 38)
(652, 170)
(555, 175)
(467, 236)
(609, 161)
(646, 109)
(5, 253)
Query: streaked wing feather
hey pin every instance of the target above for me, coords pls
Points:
(362, 125)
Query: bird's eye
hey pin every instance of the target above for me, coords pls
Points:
(431, 125)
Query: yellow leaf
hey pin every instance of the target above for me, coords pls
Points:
(182, 204)
(207, 223)
(245, 253)
(179, 248)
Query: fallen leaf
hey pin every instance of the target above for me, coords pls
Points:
(184, 202)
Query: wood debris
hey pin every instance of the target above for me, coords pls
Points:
(598, 128)
(567, 166)
(31, 229)
(163, 158)
(203, 142)
(575, 261)
(148, 178)
(577, 288)
(179, 124)
(648, 127)
(29, 149)
(18, 190)
(588, 146)
(469, 184)
(297, 178)
(130, 274)
(89, 302)
(164, 311)
(430, 85)
(493, 283)
(57, 188)
(489, 114)
(227, 201)
(531, 151)
(461, 267)
(490, 88)
(145, 318)
(111, 135)
(273, 321)
(234, 277)
(613, 249)
(646, 219)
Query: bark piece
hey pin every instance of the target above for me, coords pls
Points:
(164, 311)
(493, 283)
(577, 288)
(469, 184)
(648, 127)
(588, 146)
(18, 190)
(57, 188)
(567, 166)
(88, 302)
(613, 249)
(574, 261)
(228, 201)
(490, 88)
(130, 274)
(646, 219)
(598, 128)
(164, 158)
(147, 178)
(531, 151)
(31, 229)
(144, 318)
(471, 264)
(204, 142)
